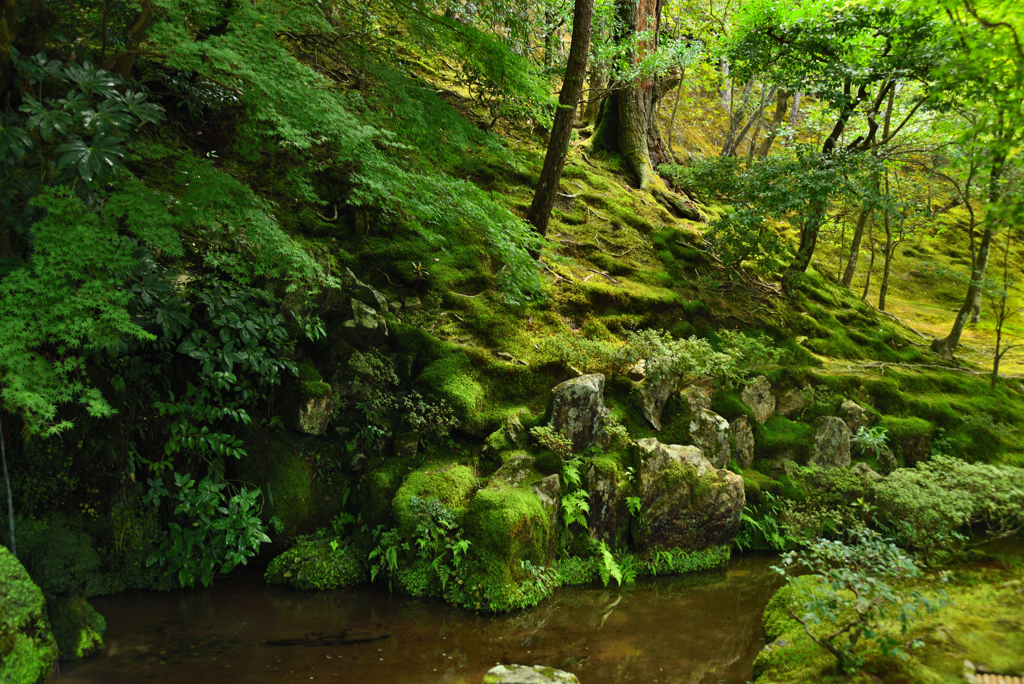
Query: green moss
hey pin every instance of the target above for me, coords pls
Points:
(317, 565)
(28, 651)
(511, 551)
(683, 561)
(577, 571)
(449, 483)
(77, 627)
(729, 406)
(755, 484)
(308, 372)
(778, 434)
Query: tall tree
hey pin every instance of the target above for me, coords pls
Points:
(558, 146)
(852, 56)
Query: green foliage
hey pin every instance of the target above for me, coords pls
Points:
(77, 627)
(707, 178)
(853, 598)
(929, 507)
(609, 567)
(763, 525)
(695, 357)
(212, 532)
(558, 444)
(27, 648)
(870, 441)
(317, 565)
(575, 508)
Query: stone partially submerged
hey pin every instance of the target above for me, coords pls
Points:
(526, 674)
(686, 502)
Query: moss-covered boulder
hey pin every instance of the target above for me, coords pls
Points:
(309, 402)
(450, 484)
(317, 565)
(831, 443)
(511, 551)
(685, 502)
(77, 627)
(759, 397)
(27, 647)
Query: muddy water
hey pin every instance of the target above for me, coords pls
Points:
(697, 629)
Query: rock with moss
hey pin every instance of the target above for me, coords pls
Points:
(855, 416)
(516, 469)
(549, 490)
(710, 433)
(790, 402)
(317, 565)
(511, 435)
(364, 293)
(310, 402)
(759, 398)
(76, 625)
(831, 443)
(685, 501)
(742, 442)
(608, 520)
(653, 393)
(366, 326)
(28, 650)
(511, 553)
(527, 674)
(577, 410)
(451, 484)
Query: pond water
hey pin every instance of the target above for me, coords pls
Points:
(678, 630)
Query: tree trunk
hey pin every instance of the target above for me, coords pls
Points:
(782, 98)
(890, 249)
(871, 263)
(558, 146)
(794, 112)
(122, 63)
(672, 120)
(734, 137)
(628, 119)
(858, 236)
(726, 93)
(597, 83)
(946, 346)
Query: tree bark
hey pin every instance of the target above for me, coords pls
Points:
(871, 263)
(782, 99)
(858, 236)
(597, 83)
(946, 346)
(794, 112)
(558, 146)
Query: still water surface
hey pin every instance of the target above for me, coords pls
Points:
(681, 630)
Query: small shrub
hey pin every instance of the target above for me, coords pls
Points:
(852, 599)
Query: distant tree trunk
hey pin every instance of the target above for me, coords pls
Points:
(871, 263)
(122, 62)
(782, 99)
(794, 112)
(672, 119)
(558, 146)
(890, 249)
(597, 83)
(946, 346)
(725, 95)
(858, 236)
(734, 137)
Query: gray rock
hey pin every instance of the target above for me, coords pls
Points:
(653, 394)
(782, 464)
(697, 396)
(313, 414)
(865, 471)
(577, 410)
(366, 320)
(686, 502)
(526, 674)
(758, 396)
(710, 433)
(790, 402)
(366, 294)
(515, 470)
(549, 490)
(505, 356)
(855, 416)
(743, 442)
(413, 303)
(395, 306)
(609, 517)
(638, 371)
(831, 443)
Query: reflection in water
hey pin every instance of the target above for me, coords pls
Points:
(678, 630)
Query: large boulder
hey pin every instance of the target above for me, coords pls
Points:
(759, 398)
(743, 442)
(28, 651)
(686, 502)
(517, 469)
(831, 443)
(652, 395)
(710, 433)
(526, 674)
(577, 410)
(855, 416)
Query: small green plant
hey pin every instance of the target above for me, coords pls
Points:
(211, 532)
(575, 508)
(852, 599)
(870, 441)
(762, 525)
(633, 504)
(551, 440)
(609, 568)
(384, 556)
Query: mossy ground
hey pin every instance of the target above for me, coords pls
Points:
(983, 623)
